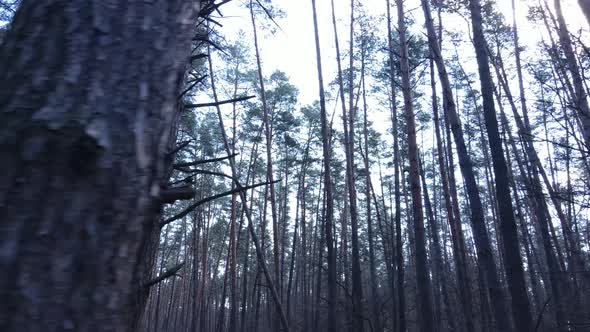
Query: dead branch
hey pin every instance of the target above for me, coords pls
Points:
(167, 274)
(229, 101)
(179, 147)
(209, 199)
(171, 195)
(204, 161)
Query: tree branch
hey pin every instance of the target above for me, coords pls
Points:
(229, 101)
(167, 274)
(179, 147)
(171, 195)
(204, 161)
(209, 199)
(192, 85)
(203, 171)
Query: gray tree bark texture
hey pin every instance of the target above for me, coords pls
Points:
(88, 97)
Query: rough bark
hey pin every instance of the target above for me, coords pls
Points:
(89, 95)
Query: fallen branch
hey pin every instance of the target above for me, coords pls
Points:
(229, 101)
(169, 273)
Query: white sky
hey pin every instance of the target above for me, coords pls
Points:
(292, 50)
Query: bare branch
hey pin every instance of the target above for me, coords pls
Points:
(229, 101)
(209, 199)
(204, 161)
(179, 147)
(171, 195)
(167, 274)
(203, 171)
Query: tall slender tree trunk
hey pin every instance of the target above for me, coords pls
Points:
(357, 288)
(438, 277)
(424, 293)
(257, 245)
(372, 265)
(304, 256)
(387, 244)
(319, 227)
(542, 217)
(580, 96)
(244, 296)
(269, 164)
(520, 212)
(233, 244)
(511, 249)
(399, 258)
(296, 234)
(329, 211)
(344, 227)
(482, 240)
(457, 238)
(159, 288)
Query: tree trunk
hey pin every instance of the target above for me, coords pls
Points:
(357, 288)
(480, 234)
(424, 293)
(580, 97)
(88, 107)
(370, 237)
(513, 261)
(344, 227)
(281, 316)
(438, 277)
(329, 211)
(269, 164)
(398, 249)
(457, 239)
